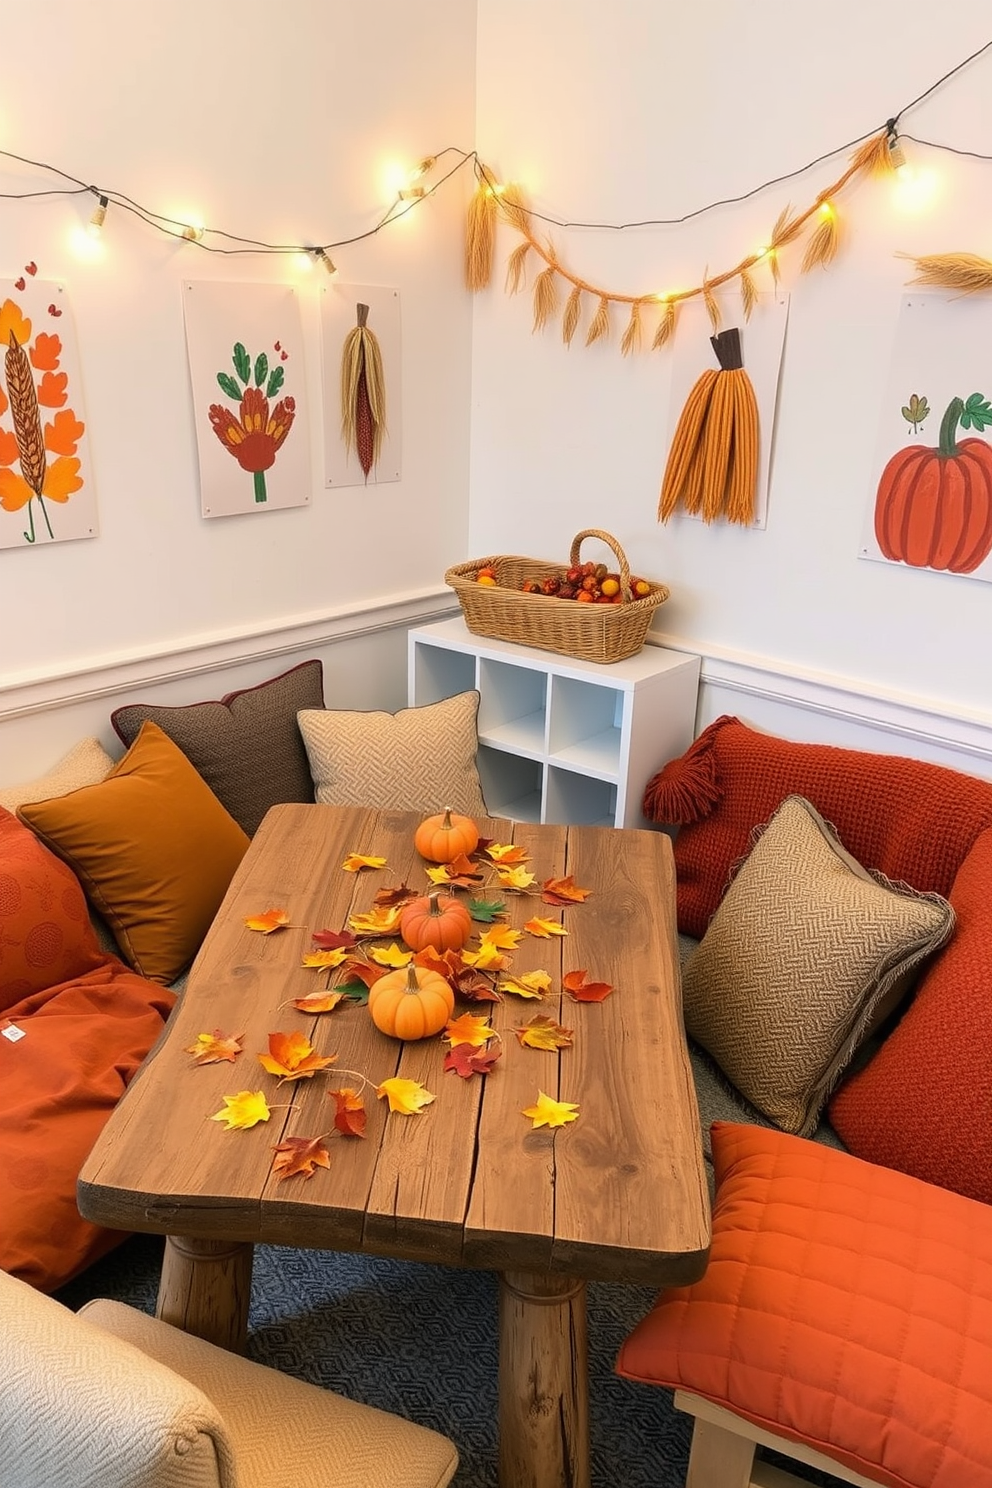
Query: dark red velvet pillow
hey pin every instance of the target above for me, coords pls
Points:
(924, 1102)
(911, 820)
(45, 931)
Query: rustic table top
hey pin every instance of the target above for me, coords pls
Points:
(620, 1193)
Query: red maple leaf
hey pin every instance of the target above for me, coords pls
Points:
(332, 940)
(579, 990)
(466, 1061)
(349, 1117)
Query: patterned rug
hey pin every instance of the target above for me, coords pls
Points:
(421, 1341)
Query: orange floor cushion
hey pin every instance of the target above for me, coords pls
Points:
(845, 1306)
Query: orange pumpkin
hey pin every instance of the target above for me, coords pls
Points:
(933, 508)
(441, 838)
(437, 921)
(411, 1004)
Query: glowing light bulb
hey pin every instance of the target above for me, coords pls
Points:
(193, 232)
(411, 193)
(95, 224)
(827, 210)
(304, 260)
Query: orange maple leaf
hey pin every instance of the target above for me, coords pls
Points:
(502, 853)
(300, 1155)
(544, 929)
(211, 1048)
(543, 1032)
(580, 990)
(469, 1029)
(563, 891)
(399, 895)
(349, 1117)
(317, 1002)
(362, 971)
(271, 919)
(355, 862)
(291, 1056)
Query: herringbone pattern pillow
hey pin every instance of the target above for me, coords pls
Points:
(420, 759)
(804, 950)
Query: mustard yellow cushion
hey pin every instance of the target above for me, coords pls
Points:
(153, 848)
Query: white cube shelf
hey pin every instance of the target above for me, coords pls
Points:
(561, 740)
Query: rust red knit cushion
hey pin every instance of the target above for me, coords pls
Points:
(924, 1103)
(912, 820)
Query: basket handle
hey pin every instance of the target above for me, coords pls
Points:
(618, 553)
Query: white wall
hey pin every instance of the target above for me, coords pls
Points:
(275, 122)
(635, 111)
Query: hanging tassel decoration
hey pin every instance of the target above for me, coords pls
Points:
(363, 393)
(480, 232)
(712, 464)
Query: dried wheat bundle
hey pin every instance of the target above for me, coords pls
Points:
(961, 271)
(749, 293)
(599, 326)
(712, 308)
(363, 392)
(631, 340)
(515, 266)
(545, 295)
(480, 232)
(824, 242)
(666, 325)
(875, 156)
(570, 316)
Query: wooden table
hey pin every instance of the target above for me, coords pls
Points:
(619, 1194)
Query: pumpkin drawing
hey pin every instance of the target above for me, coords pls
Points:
(437, 921)
(411, 1004)
(933, 507)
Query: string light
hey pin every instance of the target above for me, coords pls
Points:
(897, 154)
(96, 222)
(193, 232)
(412, 193)
(320, 254)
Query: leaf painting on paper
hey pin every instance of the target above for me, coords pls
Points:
(580, 990)
(404, 1096)
(269, 920)
(291, 1056)
(548, 1112)
(212, 1048)
(529, 984)
(544, 929)
(469, 1028)
(300, 1157)
(355, 862)
(243, 1110)
(43, 458)
(349, 1111)
(466, 1061)
(318, 1002)
(563, 891)
(255, 435)
(544, 1033)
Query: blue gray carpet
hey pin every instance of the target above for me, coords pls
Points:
(421, 1341)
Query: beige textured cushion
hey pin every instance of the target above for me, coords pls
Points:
(87, 763)
(287, 1433)
(420, 759)
(804, 949)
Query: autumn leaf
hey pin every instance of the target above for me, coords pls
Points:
(544, 929)
(405, 1096)
(245, 1109)
(466, 1061)
(400, 895)
(300, 1156)
(355, 862)
(380, 920)
(485, 910)
(318, 1002)
(502, 937)
(473, 986)
(543, 1032)
(211, 1048)
(391, 955)
(580, 990)
(563, 891)
(323, 959)
(468, 1028)
(332, 940)
(502, 852)
(550, 1112)
(486, 958)
(272, 919)
(291, 1056)
(358, 971)
(460, 873)
(357, 992)
(349, 1116)
(530, 984)
(515, 878)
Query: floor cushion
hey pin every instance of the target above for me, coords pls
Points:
(85, 764)
(845, 1305)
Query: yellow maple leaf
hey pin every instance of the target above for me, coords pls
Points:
(439, 874)
(405, 1096)
(502, 937)
(355, 862)
(550, 1112)
(545, 928)
(245, 1109)
(515, 878)
(469, 1029)
(543, 1032)
(504, 852)
(486, 958)
(318, 959)
(391, 955)
(272, 919)
(382, 919)
(530, 984)
(211, 1048)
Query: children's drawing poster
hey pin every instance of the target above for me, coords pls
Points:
(360, 355)
(46, 479)
(930, 502)
(245, 348)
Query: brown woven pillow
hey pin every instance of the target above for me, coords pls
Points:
(247, 746)
(804, 950)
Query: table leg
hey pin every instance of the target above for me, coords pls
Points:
(543, 1382)
(205, 1289)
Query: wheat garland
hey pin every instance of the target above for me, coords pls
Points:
(965, 272)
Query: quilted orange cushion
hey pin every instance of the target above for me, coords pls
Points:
(924, 1102)
(912, 820)
(845, 1305)
(45, 931)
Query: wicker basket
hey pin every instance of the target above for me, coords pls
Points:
(589, 632)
